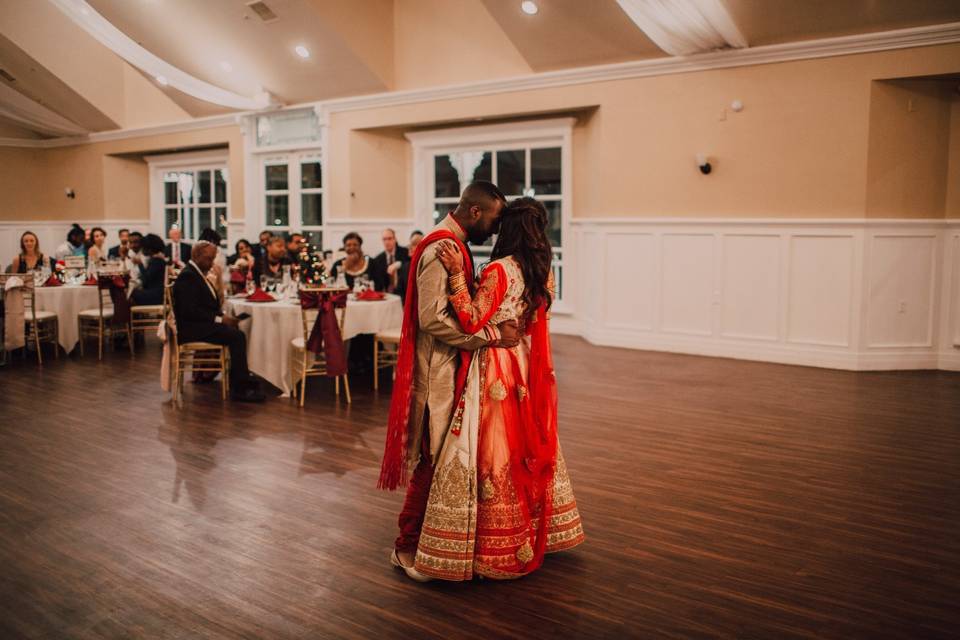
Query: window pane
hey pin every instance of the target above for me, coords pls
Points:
(445, 178)
(312, 209)
(170, 219)
(204, 221)
(485, 170)
(170, 188)
(556, 223)
(545, 171)
(204, 178)
(314, 238)
(276, 175)
(220, 185)
(441, 209)
(221, 221)
(511, 172)
(310, 175)
(278, 213)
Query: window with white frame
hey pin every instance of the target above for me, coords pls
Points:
(522, 159)
(190, 191)
(293, 194)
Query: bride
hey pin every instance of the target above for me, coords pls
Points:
(501, 497)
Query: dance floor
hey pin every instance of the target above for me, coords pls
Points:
(720, 499)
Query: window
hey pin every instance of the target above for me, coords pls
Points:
(190, 190)
(195, 199)
(293, 194)
(522, 159)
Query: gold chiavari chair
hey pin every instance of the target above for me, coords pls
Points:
(383, 356)
(98, 323)
(303, 362)
(39, 326)
(197, 356)
(147, 317)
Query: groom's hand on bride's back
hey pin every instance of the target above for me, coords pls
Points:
(509, 335)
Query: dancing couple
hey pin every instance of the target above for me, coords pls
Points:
(473, 419)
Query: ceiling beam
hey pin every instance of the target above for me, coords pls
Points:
(685, 27)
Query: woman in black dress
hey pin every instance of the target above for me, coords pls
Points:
(154, 274)
(30, 258)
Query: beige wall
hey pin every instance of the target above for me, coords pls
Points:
(110, 178)
(798, 149)
(908, 149)
(952, 208)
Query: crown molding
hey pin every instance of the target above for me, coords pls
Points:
(766, 222)
(925, 36)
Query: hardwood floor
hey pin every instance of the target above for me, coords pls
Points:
(720, 499)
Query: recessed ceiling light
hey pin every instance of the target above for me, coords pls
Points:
(226, 66)
(162, 80)
(529, 7)
(302, 51)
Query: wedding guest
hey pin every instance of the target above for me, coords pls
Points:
(177, 251)
(294, 244)
(152, 281)
(120, 250)
(134, 261)
(261, 247)
(30, 258)
(97, 251)
(386, 266)
(355, 264)
(199, 319)
(74, 246)
(403, 275)
(268, 270)
(242, 251)
(219, 268)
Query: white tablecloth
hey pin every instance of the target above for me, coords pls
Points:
(272, 326)
(67, 301)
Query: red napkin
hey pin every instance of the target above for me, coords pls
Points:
(91, 281)
(369, 294)
(53, 281)
(259, 295)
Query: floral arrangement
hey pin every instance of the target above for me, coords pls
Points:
(310, 265)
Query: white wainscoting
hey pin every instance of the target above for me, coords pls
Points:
(54, 233)
(850, 294)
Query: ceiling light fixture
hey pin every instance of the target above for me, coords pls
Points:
(529, 7)
(302, 51)
(162, 80)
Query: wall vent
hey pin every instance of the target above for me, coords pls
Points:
(263, 12)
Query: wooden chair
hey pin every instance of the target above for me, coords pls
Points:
(98, 323)
(303, 362)
(39, 326)
(198, 356)
(384, 357)
(147, 317)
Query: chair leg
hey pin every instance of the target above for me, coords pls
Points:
(303, 383)
(376, 363)
(100, 341)
(80, 333)
(346, 388)
(56, 339)
(36, 343)
(130, 337)
(223, 376)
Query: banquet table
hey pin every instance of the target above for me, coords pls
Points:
(273, 325)
(66, 301)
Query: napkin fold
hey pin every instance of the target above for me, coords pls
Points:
(53, 281)
(259, 295)
(369, 294)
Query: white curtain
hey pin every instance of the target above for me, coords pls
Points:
(684, 27)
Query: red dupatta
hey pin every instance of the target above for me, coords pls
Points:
(394, 470)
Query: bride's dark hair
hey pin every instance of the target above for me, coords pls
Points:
(523, 235)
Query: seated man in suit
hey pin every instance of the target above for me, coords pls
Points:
(196, 309)
(386, 265)
(177, 252)
(120, 251)
(404, 273)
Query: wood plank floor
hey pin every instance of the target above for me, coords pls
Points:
(720, 499)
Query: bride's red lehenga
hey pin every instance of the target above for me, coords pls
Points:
(501, 497)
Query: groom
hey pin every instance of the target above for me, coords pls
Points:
(433, 350)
